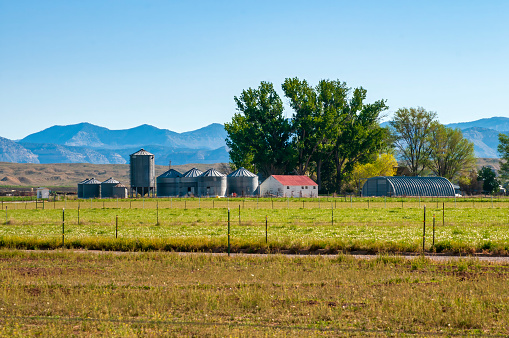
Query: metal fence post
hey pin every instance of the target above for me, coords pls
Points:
(228, 232)
(424, 230)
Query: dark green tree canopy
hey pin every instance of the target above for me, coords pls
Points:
(503, 150)
(491, 184)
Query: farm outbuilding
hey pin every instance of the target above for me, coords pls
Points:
(42, 192)
(119, 191)
(212, 183)
(242, 182)
(107, 187)
(289, 186)
(142, 172)
(407, 186)
(80, 187)
(189, 182)
(92, 188)
(168, 184)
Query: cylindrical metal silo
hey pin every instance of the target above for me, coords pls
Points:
(212, 183)
(107, 187)
(189, 182)
(242, 182)
(142, 172)
(168, 184)
(92, 188)
(119, 191)
(80, 187)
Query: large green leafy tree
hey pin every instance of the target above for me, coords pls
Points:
(412, 128)
(490, 184)
(259, 134)
(450, 153)
(503, 149)
(359, 136)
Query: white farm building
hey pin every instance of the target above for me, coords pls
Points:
(289, 186)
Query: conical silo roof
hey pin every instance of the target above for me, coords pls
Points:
(120, 185)
(212, 173)
(84, 181)
(193, 173)
(111, 180)
(242, 172)
(141, 152)
(172, 173)
(92, 181)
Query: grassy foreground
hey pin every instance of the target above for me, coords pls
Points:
(465, 226)
(154, 294)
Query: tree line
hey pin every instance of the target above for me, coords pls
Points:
(334, 136)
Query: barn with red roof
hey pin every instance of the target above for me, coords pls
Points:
(289, 186)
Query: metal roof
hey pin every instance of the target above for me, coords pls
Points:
(141, 152)
(120, 185)
(172, 173)
(212, 173)
(242, 172)
(294, 180)
(84, 181)
(111, 180)
(193, 173)
(410, 186)
(92, 181)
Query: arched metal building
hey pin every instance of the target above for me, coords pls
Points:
(107, 187)
(92, 188)
(189, 182)
(242, 182)
(212, 183)
(168, 184)
(142, 172)
(407, 186)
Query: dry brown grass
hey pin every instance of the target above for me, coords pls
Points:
(69, 174)
(153, 294)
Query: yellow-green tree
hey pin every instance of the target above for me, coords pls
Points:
(383, 165)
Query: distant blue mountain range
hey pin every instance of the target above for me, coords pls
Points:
(88, 143)
(483, 133)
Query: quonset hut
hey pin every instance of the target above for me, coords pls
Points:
(92, 188)
(212, 183)
(107, 187)
(407, 186)
(168, 184)
(142, 172)
(242, 182)
(189, 182)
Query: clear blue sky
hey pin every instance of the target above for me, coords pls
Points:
(178, 64)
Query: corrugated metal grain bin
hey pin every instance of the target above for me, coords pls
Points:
(242, 182)
(168, 184)
(407, 186)
(212, 183)
(142, 172)
(119, 191)
(189, 182)
(80, 187)
(92, 189)
(107, 187)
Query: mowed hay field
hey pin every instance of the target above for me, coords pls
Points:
(323, 226)
(64, 293)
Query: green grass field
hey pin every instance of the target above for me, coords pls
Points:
(293, 225)
(64, 293)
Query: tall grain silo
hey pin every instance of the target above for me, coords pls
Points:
(189, 182)
(212, 183)
(92, 188)
(168, 184)
(80, 187)
(107, 187)
(142, 173)
(242, 182)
